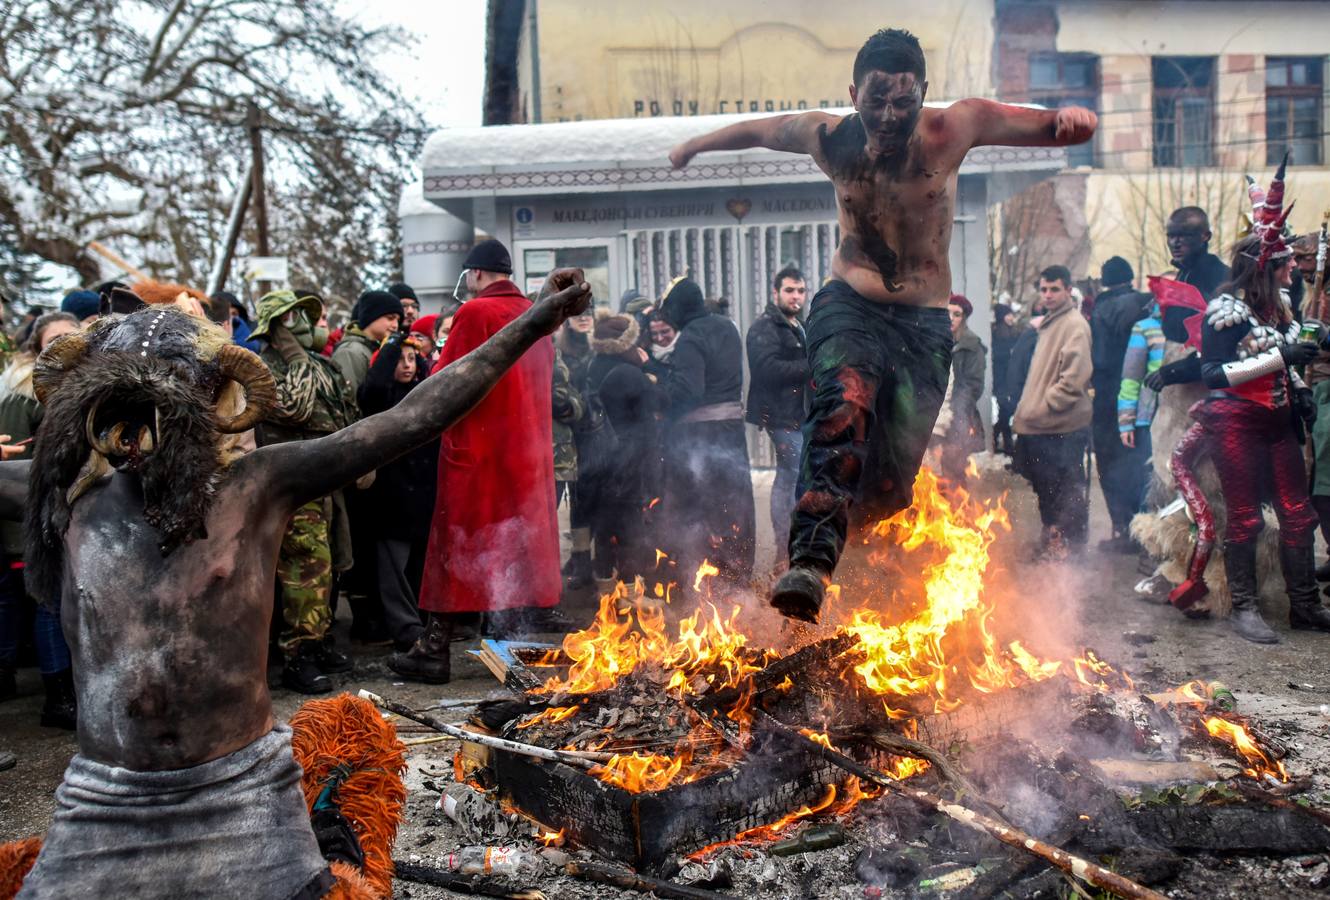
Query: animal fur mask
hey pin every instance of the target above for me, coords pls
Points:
(150, 394)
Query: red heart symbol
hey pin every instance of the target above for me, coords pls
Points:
(739, 207)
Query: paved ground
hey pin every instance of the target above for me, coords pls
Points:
(1091, 606)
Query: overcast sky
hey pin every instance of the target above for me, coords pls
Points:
(444, 69)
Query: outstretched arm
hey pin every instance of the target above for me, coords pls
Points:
(989, 122)
(795, 133)
(299, 472)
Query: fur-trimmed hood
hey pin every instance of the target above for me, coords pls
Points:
(16, 379)
(614, 333)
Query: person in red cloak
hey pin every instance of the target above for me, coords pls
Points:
(494, 542)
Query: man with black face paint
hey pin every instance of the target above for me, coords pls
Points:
(1188, 234)
(879, 337)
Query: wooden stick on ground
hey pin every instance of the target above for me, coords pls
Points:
(903, 746)
(1082, 868)
(581, 758)
(625, 879)
(462, 884)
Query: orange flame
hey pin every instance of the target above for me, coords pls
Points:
(706, 570)
(551, 838)
(641, 773)
(552, 714)
(1236, 735)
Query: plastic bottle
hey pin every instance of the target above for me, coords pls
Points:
(471, 810)
(491, 861)
(1221, 696)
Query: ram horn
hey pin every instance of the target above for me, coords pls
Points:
(247, 370)
(59, 357)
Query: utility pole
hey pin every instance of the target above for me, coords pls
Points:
(257, 195)
(222, 267)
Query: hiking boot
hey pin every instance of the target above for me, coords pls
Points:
(427, 660)
(466, 627)
(799, 593)
(516, 624)
(1304, 596)
(371, 632)
(61, 707)
(301, 672)
(329, 659)
(1246, 620)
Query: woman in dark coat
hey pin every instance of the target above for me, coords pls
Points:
(400, 502)
(621, 477)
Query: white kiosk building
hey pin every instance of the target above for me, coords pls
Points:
(602, 195)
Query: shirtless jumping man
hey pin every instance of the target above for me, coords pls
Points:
(879, 340)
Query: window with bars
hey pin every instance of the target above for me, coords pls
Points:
(1293, 97)
(1067, 79)
(1184, 110)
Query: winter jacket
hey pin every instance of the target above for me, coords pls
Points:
(778, 371)
(706, 367)
(1018, 367)
(1004, 342)
(1115, 312)
(1056, 399)
(1206, 275)
(401, 499)
(313, 398)
(20, 414)
(567, 408)
(240, 331)
(352, 355)
(1145, 354)
(969, 359)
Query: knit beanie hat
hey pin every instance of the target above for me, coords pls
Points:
(81, 304)
(489, 256)
(403, 292)
(375, 304)
(1116, 271)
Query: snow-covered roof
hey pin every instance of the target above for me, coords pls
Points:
(606, 155)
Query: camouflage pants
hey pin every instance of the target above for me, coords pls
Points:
(304, 569)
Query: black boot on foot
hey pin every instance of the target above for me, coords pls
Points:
(61, 708)
(329, 659)
(427, 660)
(1240, 564)
(1304, 597)
(799, 593)
(301, 672)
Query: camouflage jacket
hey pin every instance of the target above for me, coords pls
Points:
(568, 407)
(313, 399)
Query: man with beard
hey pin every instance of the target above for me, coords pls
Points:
(163, 554)
(1188, 234)
(777, 389)
(879, 338)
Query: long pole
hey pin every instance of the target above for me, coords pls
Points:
(221, 268)
(1318, 283)
(259, 197)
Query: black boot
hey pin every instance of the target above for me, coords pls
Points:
(1240, 565)
(329, 659)
(577, 571)
(1304, 597)
(799, 593)
(61, 708)
(301, 672)
(428, 658)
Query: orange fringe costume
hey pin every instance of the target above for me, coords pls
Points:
(351, 759)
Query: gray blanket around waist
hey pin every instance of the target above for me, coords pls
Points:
(233, 827)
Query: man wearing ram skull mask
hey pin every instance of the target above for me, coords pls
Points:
(163, 554)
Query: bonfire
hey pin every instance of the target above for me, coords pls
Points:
(651, 737)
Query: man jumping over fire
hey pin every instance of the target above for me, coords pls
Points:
(879, 339)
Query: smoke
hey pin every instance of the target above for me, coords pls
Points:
(496, 561)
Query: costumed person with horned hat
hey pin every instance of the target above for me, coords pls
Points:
(1255, 417)
(163, 553)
